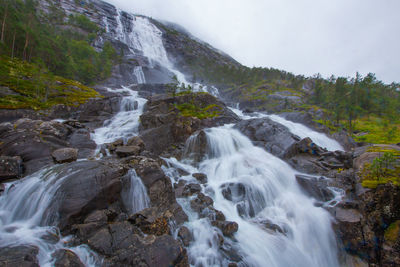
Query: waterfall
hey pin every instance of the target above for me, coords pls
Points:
(25, 218)
(295, 128)
(264, 194)
(303, 131)
(125, 123)
(135, 197)
(138, 71)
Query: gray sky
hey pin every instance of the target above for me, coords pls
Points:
(306, 37)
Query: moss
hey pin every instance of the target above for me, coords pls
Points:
(377, 131)
(37, 88)
(392, 232)
(383, 169)
(191, 110)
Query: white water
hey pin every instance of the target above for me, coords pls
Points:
(135, 197)
(125, 123)
(272, 194)
(25, 217)
(296, 128)
(138, 71)
(303, 131)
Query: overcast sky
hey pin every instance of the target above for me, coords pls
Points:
(337, 37)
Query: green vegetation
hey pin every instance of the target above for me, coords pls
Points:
(33, 86)
(191, 110)
(383, 169)
(392, 232)
(61, 44)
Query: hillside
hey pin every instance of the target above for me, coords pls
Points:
(127, 141)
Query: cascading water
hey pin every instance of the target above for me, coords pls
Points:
(125, 123)
(278, 224)
(25, 218)
(296, 128)
(303, 131)
(135, 197)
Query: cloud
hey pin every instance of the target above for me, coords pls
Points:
(338, 37)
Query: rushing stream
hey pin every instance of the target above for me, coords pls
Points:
(278, 224)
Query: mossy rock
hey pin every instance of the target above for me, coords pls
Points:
(37, 88)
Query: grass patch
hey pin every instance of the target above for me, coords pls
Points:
(377, 131)
(191, 110)
(392, 232)
(383, 169)
(35, 87)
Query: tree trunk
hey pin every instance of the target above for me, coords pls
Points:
(3, 27)
(24, 54)
(13, 44)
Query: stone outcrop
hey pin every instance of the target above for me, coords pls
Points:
(163, 122)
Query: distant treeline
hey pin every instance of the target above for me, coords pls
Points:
(59, 43)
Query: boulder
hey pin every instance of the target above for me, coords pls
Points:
(10, 168)
(65, 257)
(64, 155)
(201, 202)
(191, 189)
(163, 122)
(99, 184)
(185, 235)
(21, 256)
(201, 177)
(227, 228)
(315, 187)
(126, 151)
(268, 134)
(152, 221)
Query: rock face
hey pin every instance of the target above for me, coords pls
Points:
(24, 256)
(35, 140)
(66, 257)
(64, 155)
(10, 168)
(163, 122)
(272, 136)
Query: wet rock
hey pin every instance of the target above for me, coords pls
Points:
(201, 177)
(65, 257)
(64, 155)
(233, 192)
(21, 256)
(191, 189)
(163, 122)
(2, 189)
(272, 136)
(136, 141)
(196, 147)
(34, 141)
(179, 188)
(126, 151)
(201, 202)
(51, 236)
(185, 235)
(227, 228)
(315, 187)
(99, 186)
(10, 168)
(272, 227)
(113, 146)
(152, 221)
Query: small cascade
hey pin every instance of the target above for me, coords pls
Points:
(26, 218)
(135, 197)
(303, 131)
(295, 128)
(125, 123)
(278, 224)
(138, 71)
